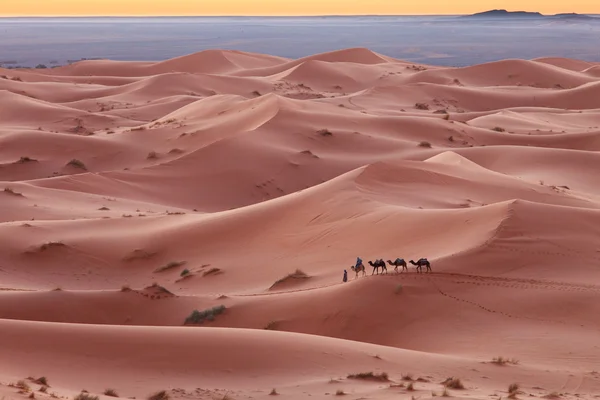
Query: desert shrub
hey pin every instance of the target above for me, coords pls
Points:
(77, 164)
(152, 155)
(498, 129)
(42, 380)
(422, 106)
(410, 387)
(453, 383)
(273, 392)
(339, 392)
(21, 384)
(407, 377)
(370, 376)
(504, 361)
(85, 396)
(162, 395)
(111, 393)
(445, 393)
(325, 132)
(185, 272)
(172, 264)
(198, 317)
(425, 144)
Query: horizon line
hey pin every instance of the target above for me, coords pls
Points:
(265, 16)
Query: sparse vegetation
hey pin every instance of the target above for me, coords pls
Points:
(85, 396)
(340, 392)
(21, 384)
(125, 288)
(410, 387)
(425, 144)
(162, 395)
(453, 383)
(185, 272)
(111, 393)
(25, 159)
(273, 392)
(42, 380)
(77, 164)
(382, 377)
(325, 132)
(553, 395)
(172, 264)
(407, 377)
(421, 106)
(198, 317)
(504, 361)
(499, 129)
(103, 209)
(43, 389)
(152, 155)
(445, 393)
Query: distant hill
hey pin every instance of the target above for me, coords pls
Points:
(525, 14)
(504, 14)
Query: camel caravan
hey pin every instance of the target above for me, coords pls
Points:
(399, 262)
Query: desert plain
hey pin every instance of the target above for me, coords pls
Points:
(242, 185)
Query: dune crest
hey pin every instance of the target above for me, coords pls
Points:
(184, 226)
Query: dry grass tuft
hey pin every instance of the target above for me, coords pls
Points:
(382, 377)
(111, 393)
(162, 395)
(325, 132)
(198, 317)
(425, 144)
(273, 392)
(504, 361)
(453, 383)
(77, 164)
(340, 392)
(85, 396)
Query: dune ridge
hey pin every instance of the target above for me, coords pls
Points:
(184, 225)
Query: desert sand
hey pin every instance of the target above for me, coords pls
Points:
(133, 193)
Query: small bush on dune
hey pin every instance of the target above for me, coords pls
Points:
(325, 132)
(504, 361)
(273, 392)
(42, 380)
(340, 392)
(422, 106)
(453, 383)
(162, 395)
(185, 272)
(198, 317)
(77, 164)
(410, 387)
(111, 393)
(425, 144)
(498, 129)
(370, 376)
(85, 396)
(407, 377)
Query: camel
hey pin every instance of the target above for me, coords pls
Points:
(398, 262)
(379, 263)
(420, 262)
(358, 269)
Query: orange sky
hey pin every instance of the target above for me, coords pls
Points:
(285, 7)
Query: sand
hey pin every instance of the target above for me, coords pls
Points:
(134, 193)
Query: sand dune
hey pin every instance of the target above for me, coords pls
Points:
(242, 185)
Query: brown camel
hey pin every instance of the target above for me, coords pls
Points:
(379, 263)
(358, 269)
(398, 262)
(420, 263)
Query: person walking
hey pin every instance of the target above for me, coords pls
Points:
(345, 279)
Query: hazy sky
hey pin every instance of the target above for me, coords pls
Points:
(285, 7)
